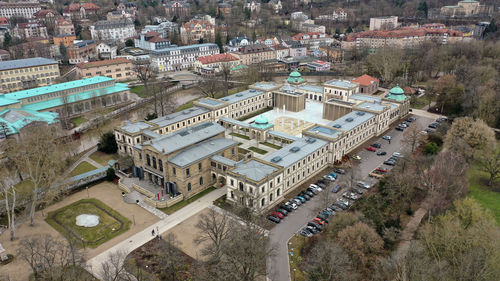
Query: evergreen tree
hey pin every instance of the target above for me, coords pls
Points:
(129, 43)
(491, 28)
(7, 40)
(423, 8)
(218, 41)
(63, 51)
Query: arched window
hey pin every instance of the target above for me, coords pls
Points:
(241, 186)
(262, 202)
(189, 186)
(201, 180)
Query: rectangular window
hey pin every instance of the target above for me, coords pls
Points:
(199, 166)
(173, 171)
(187, 172)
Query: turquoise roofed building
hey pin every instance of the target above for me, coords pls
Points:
(396, 94)
(295, 78)
(49, 103)
(262, 123)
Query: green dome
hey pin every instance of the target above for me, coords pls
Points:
(261, 120)
(295, 77)
(397, 91)
(295, 73)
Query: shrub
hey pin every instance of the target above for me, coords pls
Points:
(107, 143)
(110, 174)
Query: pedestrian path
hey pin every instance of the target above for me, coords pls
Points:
(133, 242)
(152, 210)
(408, 233)
(236, 218)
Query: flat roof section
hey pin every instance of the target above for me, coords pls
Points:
(351, 120)
(295, 151)
(266, 86)
(254, 170)
(31, 62)
(365, 98)
(341, 84)
(135, 127)
(242, 96)
(179, 116)
(311, 88)
(201, 150)
(325, 132)
(371, 106)
(210, 102)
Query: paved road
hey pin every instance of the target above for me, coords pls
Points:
(278, 265)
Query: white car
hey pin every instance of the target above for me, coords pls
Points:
(397, 154)
(387, 137)
(364, 185)
(328, 177)
(316, 187)
(293, 205)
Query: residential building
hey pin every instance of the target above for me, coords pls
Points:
(179, 9)
(383, 23)
(66, 39)
(276, 5)
(255, 53)
(82, 51)
(37, 47)
(333, 53)
(29, 73)
(19, 9)
(313, 39)
(126, 6)
(195, 30)
(64, 26)
(135, 54)
(107, 50)
(215, 63)
(318, 65)
(224, 9)
(165, 29)
(299, 16)
(267, 41)
(311, 27)
(47, 16)
(151, 41)
(367, 84)
(408, 37)
(4, 55)
(338, 14)
(253, 6)
(178, 58)
(119, 14)
(237, 42)
(52, 103)
(281, 52)
(120, 30)
(296, 48)
(31, 29)
(80, 11)
(466, 8)
(119, 69)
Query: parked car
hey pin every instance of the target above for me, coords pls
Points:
(383, 170)
(390, 163)
(387, 137)
(286, 207)
(326, 212)
(371, 148)
(318, 221)
(316, 225)
(342, 205)
(333, 175)
(428, 130)
(356, 157)
(321, 219)
(336, 188)
(278, 214)
(381, 153)
(410, 119)
(310, 193)
(358, 190)
(377, 145)
(328, 177)
(397, 154)
(399, 128)
(312, 229)
(283, 211)
(441, 119)
(305, 232)
(302, 199)
(273, 219)
(336, 208)
(313, 190)
(339, 171)
(321, 184)
(433, 125)
(317, 187)
(297, 201)
(363, 185)
(304, 195)
(392, 158)
(404, 125)
(292, 204)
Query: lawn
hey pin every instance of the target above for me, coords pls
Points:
(295, 245)
(271, 145)
(22, 188)
(185, 106)
(240, 136)
(111, 223)
(183, 203)
(82, 168)
(138, 90)
(78, 121)
(420, 102)
(486, 197)
(103, 158)
(258, 150)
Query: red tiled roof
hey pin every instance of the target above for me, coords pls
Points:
(300, 36)
(365, 80)
(43, 13)
(217, 58)
(4, 20)
(402, 32)
(204, 23)
(86, 65)
(63, 22)
(152, 33)
(76, 7)
(157, 39)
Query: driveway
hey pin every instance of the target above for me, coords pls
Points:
(278, 264)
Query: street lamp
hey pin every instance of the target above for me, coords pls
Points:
(294, 271)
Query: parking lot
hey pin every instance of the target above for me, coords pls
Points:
(296, 220)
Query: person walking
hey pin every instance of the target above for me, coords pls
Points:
(153, 232)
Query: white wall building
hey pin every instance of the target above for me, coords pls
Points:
(19, 9)
(113, 30)
(383, 23)
(184, 57)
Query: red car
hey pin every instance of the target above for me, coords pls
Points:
(278, 214)
(318, 220)
(371, 148)
(382, 170)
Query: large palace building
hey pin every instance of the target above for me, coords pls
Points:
(298, 130)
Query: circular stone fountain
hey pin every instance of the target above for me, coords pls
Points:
(87, 220)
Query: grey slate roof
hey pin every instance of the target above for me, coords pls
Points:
(365, 98)
(106, 24)
(179, 116)
(242, 96)
(287, 157)
(351, 120)
(201, 150)
(341, 84)
(13, 64)
(283, 135)
(371, 106)
(235, 122)
(184, 49)
(224, 160)
(254, 170)
(135, 127)
(185, 137)
(326, 132)
(311, 88)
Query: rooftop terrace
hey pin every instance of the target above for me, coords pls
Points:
(351, 120)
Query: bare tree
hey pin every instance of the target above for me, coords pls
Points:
(209, 87)
(8, 191)
(215, 229)
(387, 61)
(170, 258)
(328, 261)
(41, 159)
(113, 269)
(489, 162)
(145, 73)
(166, 103)
(225, 71)
(351, 177)
(412, 136)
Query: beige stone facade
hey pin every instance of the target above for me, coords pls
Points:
(290, 101)
(23, 74)
(118, 69)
